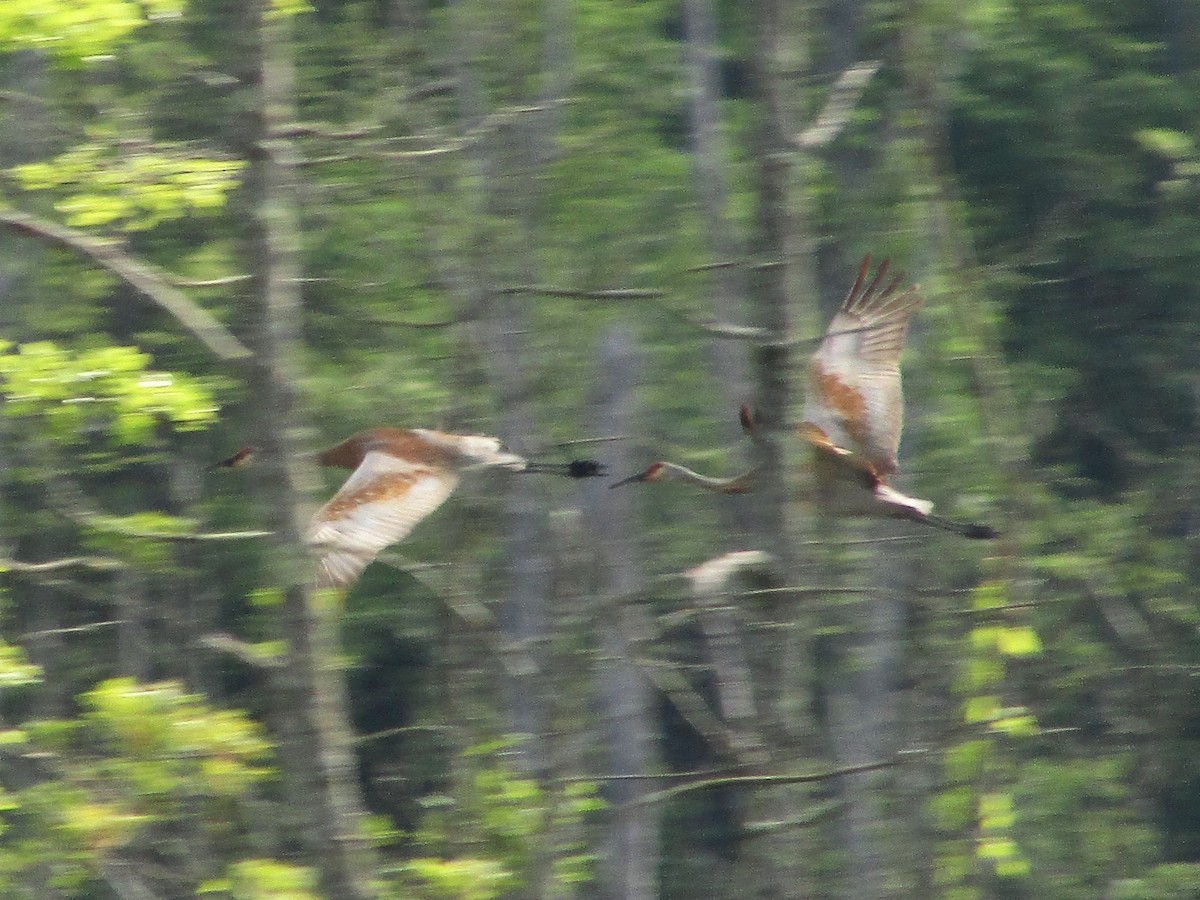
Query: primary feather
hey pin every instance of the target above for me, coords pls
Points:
(854, 400)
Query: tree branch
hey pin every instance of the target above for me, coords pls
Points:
(576, 294)
(97, 563)
(239, 650)
(761, 780)
(72, 629)
(843, 97)
(142, 277)
(210, 282)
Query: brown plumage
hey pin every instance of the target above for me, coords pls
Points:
(398, 477)
(853, 411)
(854, 406)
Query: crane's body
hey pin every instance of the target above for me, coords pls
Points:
(853, 411)
(398, 476)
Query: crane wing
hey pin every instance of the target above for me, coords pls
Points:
(380, 503)
(854, 400)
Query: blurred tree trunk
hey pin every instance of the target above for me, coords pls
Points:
(771, 239)
(863, 652)
(628, 727)
(133, 646)
(498, 254)
(310, 707)
(193, 607)
(710, 163)
(771, 851)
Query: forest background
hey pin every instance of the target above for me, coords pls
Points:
(231, 222)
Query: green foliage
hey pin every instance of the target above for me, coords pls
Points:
(289, 8)
(1074, 134)
(15, 668)
(463, 878)
(1175, 881)
(142, 759)
(168, 742)
(77, 31)
(511, 819)
(128, 186)
(264, 879)
(109, 390)
(971, 802)
(1074, 146)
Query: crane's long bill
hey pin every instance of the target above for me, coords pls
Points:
(966, 529)
(640, 476)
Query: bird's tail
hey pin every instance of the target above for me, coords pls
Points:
(918, 510)
(966, 529)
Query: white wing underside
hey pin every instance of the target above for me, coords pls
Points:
(854, 394)
(380, 503)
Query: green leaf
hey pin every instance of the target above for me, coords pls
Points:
(1018, 641)
(15, 669)
(77, 31)
(981, 709)
(996, 811)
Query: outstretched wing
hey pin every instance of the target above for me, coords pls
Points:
(380, 503)
(854, 400)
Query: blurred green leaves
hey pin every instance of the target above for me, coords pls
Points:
(142, 757)
(78, 31)
(77, 395)
(503, 817)
(130, 186)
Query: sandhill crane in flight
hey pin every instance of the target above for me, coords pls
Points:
(854, 409)
(398, 477)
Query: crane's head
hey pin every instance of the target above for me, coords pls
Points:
(656, 472)
(239, 459)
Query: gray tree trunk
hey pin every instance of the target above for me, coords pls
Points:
(710, 164)
(311, 707)
(627, 727)
(526, 577)
(860, 670)
(774, 855)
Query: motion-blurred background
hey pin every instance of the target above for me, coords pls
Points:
(595, 228)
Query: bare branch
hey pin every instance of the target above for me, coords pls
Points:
(762, 780)
(240, 650)
(692, 707)
(147, 280)
(98, 563)
(575, 294)
(843, 97)
(608, 439)
(210, 282)
(432, 89)
(312, 129)
(73, 629)
(405, 729)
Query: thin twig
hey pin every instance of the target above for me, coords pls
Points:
(210, 282)
(73, 629)
(761, 781)
(240, 650)
(542, 290)
(98, 563)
